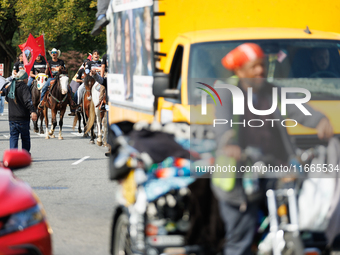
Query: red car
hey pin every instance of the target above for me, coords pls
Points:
(24, 229)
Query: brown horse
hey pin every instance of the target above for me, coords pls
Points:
(57, 100)
(96, 115)
(37, 84)
(87, 98)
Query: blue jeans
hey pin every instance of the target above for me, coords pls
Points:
(44, 89)
(21, 127)
(2, 104)
(30, 81)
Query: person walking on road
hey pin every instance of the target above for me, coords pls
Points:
(2, 103)
(20, 109)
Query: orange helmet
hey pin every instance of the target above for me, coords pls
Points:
(241, 55)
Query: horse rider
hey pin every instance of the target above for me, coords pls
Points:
(19, 65)
(78, 82)
(39, 66)
(54, 66)
(94, 64)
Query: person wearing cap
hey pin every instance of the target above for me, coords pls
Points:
(20, 109)
(39, 66)
(19, 65)
(77, 83)
(54, 66)
(238, 204)
(94, 64)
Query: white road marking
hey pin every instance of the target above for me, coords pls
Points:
(6, 136)
(80, 160)
(77, 134)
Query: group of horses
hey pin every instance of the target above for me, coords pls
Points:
(57, 99)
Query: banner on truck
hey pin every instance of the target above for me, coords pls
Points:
(130, 54)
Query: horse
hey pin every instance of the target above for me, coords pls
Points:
(37, 85)
(57, 100)
(96, 115)
(87, 97)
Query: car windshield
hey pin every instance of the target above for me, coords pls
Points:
(310, 64)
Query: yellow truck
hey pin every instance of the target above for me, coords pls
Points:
(159, 50)
(156, 49)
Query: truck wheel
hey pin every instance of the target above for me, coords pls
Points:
(121, 238)
(294, 245)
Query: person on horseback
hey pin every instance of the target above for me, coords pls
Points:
(103, 87)
(19, 65)
(95, 64)
(39, 66)
(54, 66)
(79, 81)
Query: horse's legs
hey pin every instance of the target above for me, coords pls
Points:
(99, 129)
(79, 122)
(92, 135)
(104, 124)
(46, 122)
(54, 123)
(41, 122)
(62, 112)
(84, 119)
(35, 123)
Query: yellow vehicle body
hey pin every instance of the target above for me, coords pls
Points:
(187, 22)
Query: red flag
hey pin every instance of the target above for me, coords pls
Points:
(89, 57)
(30, 50)
(40, 41)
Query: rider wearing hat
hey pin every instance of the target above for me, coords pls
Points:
(54, 66)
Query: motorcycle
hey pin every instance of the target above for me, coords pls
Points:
(155, 215)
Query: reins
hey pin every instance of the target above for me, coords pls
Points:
(56, 99)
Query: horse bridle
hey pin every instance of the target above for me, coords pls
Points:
(56, 99)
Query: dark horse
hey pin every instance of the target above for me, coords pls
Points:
(57, 100)
(39, 82)
(87, 98)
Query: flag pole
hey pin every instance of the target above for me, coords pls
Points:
(43, 34)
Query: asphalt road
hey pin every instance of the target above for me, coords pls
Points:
(70, 177)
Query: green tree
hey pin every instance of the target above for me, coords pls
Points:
(8, 26)
(66, 25)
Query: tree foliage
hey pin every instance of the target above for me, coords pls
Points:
(8, 26)
(66, 25)
(73, 60)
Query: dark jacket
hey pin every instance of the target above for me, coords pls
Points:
(23, 107)
(279, 135)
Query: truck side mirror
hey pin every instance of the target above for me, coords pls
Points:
(161, 86)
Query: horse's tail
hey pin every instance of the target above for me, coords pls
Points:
(75, 120)
(92, 117)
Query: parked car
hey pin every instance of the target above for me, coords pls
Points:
(24, 229)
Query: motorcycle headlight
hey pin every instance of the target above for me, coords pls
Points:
(21, 220)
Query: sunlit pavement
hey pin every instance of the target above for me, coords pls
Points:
(70, 177)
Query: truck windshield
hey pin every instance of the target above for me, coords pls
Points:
(311, 64)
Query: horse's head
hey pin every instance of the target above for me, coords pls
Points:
(41, 80)
(89, 81)
(63, 84)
